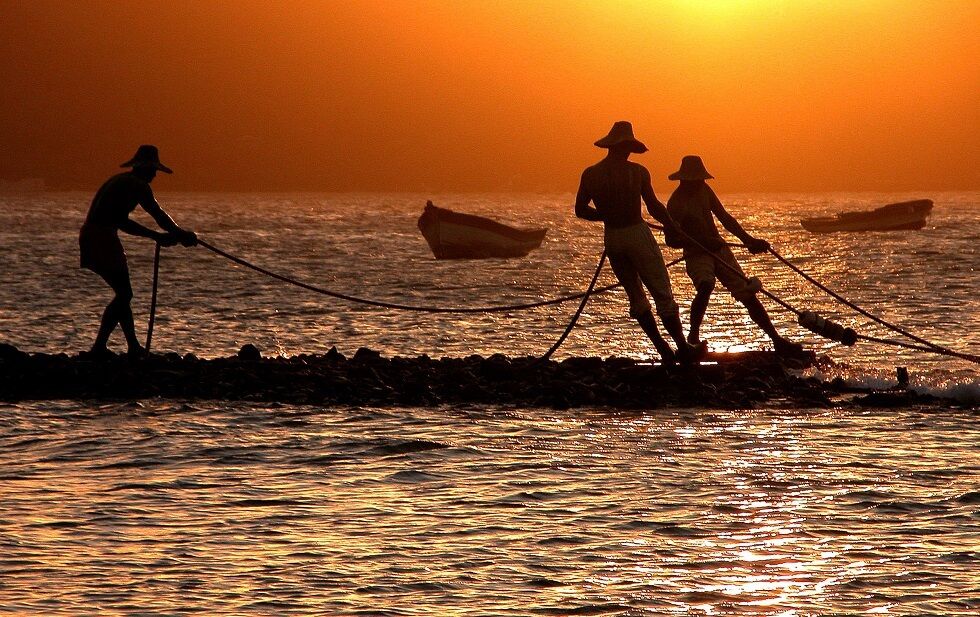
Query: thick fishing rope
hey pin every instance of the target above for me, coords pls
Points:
(578, 313)
(584, 296)
(850, 304)
(394, 305)
(926, 346)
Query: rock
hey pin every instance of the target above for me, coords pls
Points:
(366, 355)
(329, 379)
(9, 353)
(898, 398)
(249, 353)
(591, 363)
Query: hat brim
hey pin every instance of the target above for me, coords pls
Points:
(677, 175)
(636, 146)
(156, 165)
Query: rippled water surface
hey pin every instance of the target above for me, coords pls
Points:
(369, 245)
(167, 508)
(173, 507)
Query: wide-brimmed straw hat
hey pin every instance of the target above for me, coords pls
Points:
(692, 168)
(622, 133)
(147, 156)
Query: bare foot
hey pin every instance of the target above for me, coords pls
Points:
(100, 352)
(692, 354)
(788, 348)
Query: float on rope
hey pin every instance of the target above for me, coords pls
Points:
(828, 329)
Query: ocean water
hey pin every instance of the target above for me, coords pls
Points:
(178, 507)
(369, 245)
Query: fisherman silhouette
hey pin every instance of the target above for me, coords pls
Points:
(691, 206)
(102, 252)
(616, 185)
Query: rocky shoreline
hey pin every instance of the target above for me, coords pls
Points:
(742, 380)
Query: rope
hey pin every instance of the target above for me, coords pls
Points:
(405, 307)
(851, 305)
(941, 351)
(926, 345)
(786, 305)
(578, 313)
(153, 297)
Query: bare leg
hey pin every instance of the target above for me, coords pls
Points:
(672, 324)
(698, 308)
(109, 322)
(118, 312)
(686, 352)
(649, 325)
(128, 328)
(760, 316)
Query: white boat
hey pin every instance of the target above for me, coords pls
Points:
(454, 235)
(902, 215)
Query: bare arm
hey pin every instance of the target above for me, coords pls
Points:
(135, 229)
(755, 245)
(728, 221)
(654, 207)
(658, 211)
(149, 203)
(582, 208)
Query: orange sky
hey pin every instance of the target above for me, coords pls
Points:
(440, 95)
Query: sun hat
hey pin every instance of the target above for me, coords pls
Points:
(147, 156)
(692, 168)
(622, 133)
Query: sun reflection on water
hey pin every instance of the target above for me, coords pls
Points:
(244, 508)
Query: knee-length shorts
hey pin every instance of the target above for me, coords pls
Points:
(637, 261)
(704, 269)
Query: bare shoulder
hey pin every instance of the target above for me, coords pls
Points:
(590, 174)
(592, 170)
(709, 192)
(643, 171)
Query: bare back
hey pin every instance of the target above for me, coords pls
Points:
(117, 198)
(616, 187)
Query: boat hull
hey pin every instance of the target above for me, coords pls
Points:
(907, 215)
(453, 235)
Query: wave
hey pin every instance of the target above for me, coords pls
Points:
(961, 389)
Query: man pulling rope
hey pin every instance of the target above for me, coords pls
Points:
(616, 185)
(694, 206)
(102, 252)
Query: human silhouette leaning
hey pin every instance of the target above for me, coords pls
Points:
(616, 185)
(102, 252)
(693, 206)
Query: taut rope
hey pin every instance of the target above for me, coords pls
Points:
(924, 345)
(581, 307)
(394, 305)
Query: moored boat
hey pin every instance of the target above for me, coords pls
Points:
(454, 235)
(897, 216)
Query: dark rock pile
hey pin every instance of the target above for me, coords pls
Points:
(733, 381)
